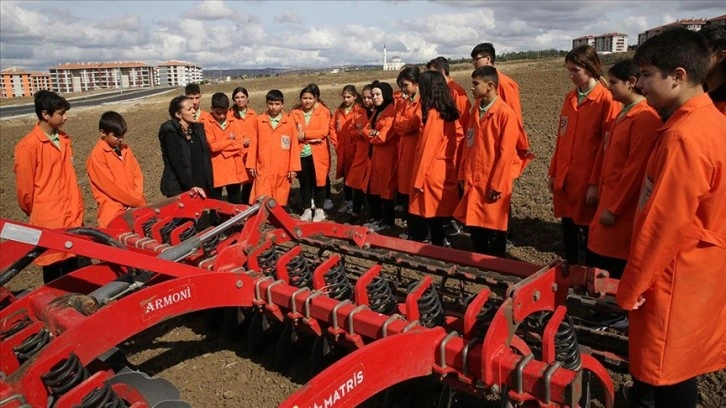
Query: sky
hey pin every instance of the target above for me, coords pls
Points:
(217, 34)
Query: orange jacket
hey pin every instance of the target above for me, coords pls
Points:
(385, 152)
(344, 130)
(678, 256)
(247, 127)
(274, 154)
(117, 183)
(360, 168)
(46, 185)
(486, 163)
(227, 147)
(579, 139)
(317, 129)
(508, 90)
(434, 191)
(461, 99)
(626, 146)
(407, 124)
(721, 106)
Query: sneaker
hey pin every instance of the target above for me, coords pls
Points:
(621, 324)
(312, 204)
(319, 215)
(328, 205)
(371, 223)
(380, 226)
(307, 215)
(510, 244)
(403, 236)
(447, 244)
(350, 211)
(398, 208)
(454, 228)
(345, 207)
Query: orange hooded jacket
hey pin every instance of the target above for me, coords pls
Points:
(579, 140)
(227, 147)
(488, 150)
(407, 124)
(343, 129)
(434, 191)
(360, 168)
(274, 154)
(117, 183)
(316, 131)
(46, 185)
(385, 152)
(678, 255)
(626, 148)
(508, 90)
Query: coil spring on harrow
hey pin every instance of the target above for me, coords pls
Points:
(339, 286)
(484, 317)
(102, 397)
(430, 308)
(210, 247)
(566, 346)
(300, 272)
(16, 327)
(380, 295)
(267, 261)
(146, 226)
(65, 375)
(33, 344)
(169, 227)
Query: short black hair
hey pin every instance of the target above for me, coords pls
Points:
(50, 102)
(715, 37)
(112, 122)
(220, 100)
(192, 89)
(488, 73)
(439, 63)
(674, 48)
(485, 50)
(275, 95)
(624, 70)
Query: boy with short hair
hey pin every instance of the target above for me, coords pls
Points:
(674, 282)
(274, 157)
(226, 142)
(46, 184)
(194, 93)
(117, 183)
(485, 170)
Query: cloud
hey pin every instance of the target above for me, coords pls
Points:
(209, 10)
(287, 16)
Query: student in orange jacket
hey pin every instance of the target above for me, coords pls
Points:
(45, 180)
(226, 144)
(486, 162)
(383, 152)
(461, 100)
(573, 178)
(117, 183)
(626, 148)
(343, 129)
(360, 169)
(674, 282)
(716, 78)
(275, 157)
(244, 120)
(407, 124)
(484, 54)
(433, 185)
(194, 93)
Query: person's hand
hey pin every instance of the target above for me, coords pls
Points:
(607, 218)
(591, 195)
(252, 172)
(197, 192)
(300, 134)
(291, 175)
(494, 195)
(551, 184)
(315, 141)
(372, 133)
(638, 303)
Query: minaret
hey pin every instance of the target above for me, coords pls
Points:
(384, 57)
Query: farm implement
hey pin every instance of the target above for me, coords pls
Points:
(377, 311)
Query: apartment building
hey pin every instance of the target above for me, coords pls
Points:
(716, 21)
(87, 76)
(604, 43)
(16, 82)
(693, 24)
(585, 40)
(177, 73)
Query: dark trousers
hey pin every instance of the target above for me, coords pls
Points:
(308, 189)
(382, 209)
(615, 266)
(681, 395)
(348, 193)
(234, 193)
(246, 192)
(420, 227)
(574, 238)
(488, 241)
(359, 198)
(328, 189)
(56, 270)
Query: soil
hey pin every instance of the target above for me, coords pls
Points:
(213, 372)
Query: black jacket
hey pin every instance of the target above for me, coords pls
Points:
(177, 176)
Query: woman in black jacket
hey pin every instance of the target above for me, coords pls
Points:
(184, 148)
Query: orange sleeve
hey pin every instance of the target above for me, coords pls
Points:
(319, 126)
(384, 125)
(24, 167)
(333, 128)
(642, 136)
(407, 120)
(502, 169)
(295, 155)
(611, 109)
(105, 180)
(597, 166)
(432, 133)
(137, 176)
(668, 204)
(251, 160)
(464, 106)
(217, 142)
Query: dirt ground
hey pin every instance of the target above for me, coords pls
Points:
(213, 372)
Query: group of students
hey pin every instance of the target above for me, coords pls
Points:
(638, 176)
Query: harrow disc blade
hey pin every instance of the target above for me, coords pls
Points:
(285, 344)
(321, 354)
(236, 321)
(172, 404)
(261, 328)
(446, 399)
(154, 390)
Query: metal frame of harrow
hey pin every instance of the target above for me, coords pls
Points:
(387, 349)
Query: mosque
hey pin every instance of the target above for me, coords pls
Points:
(395, 64)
